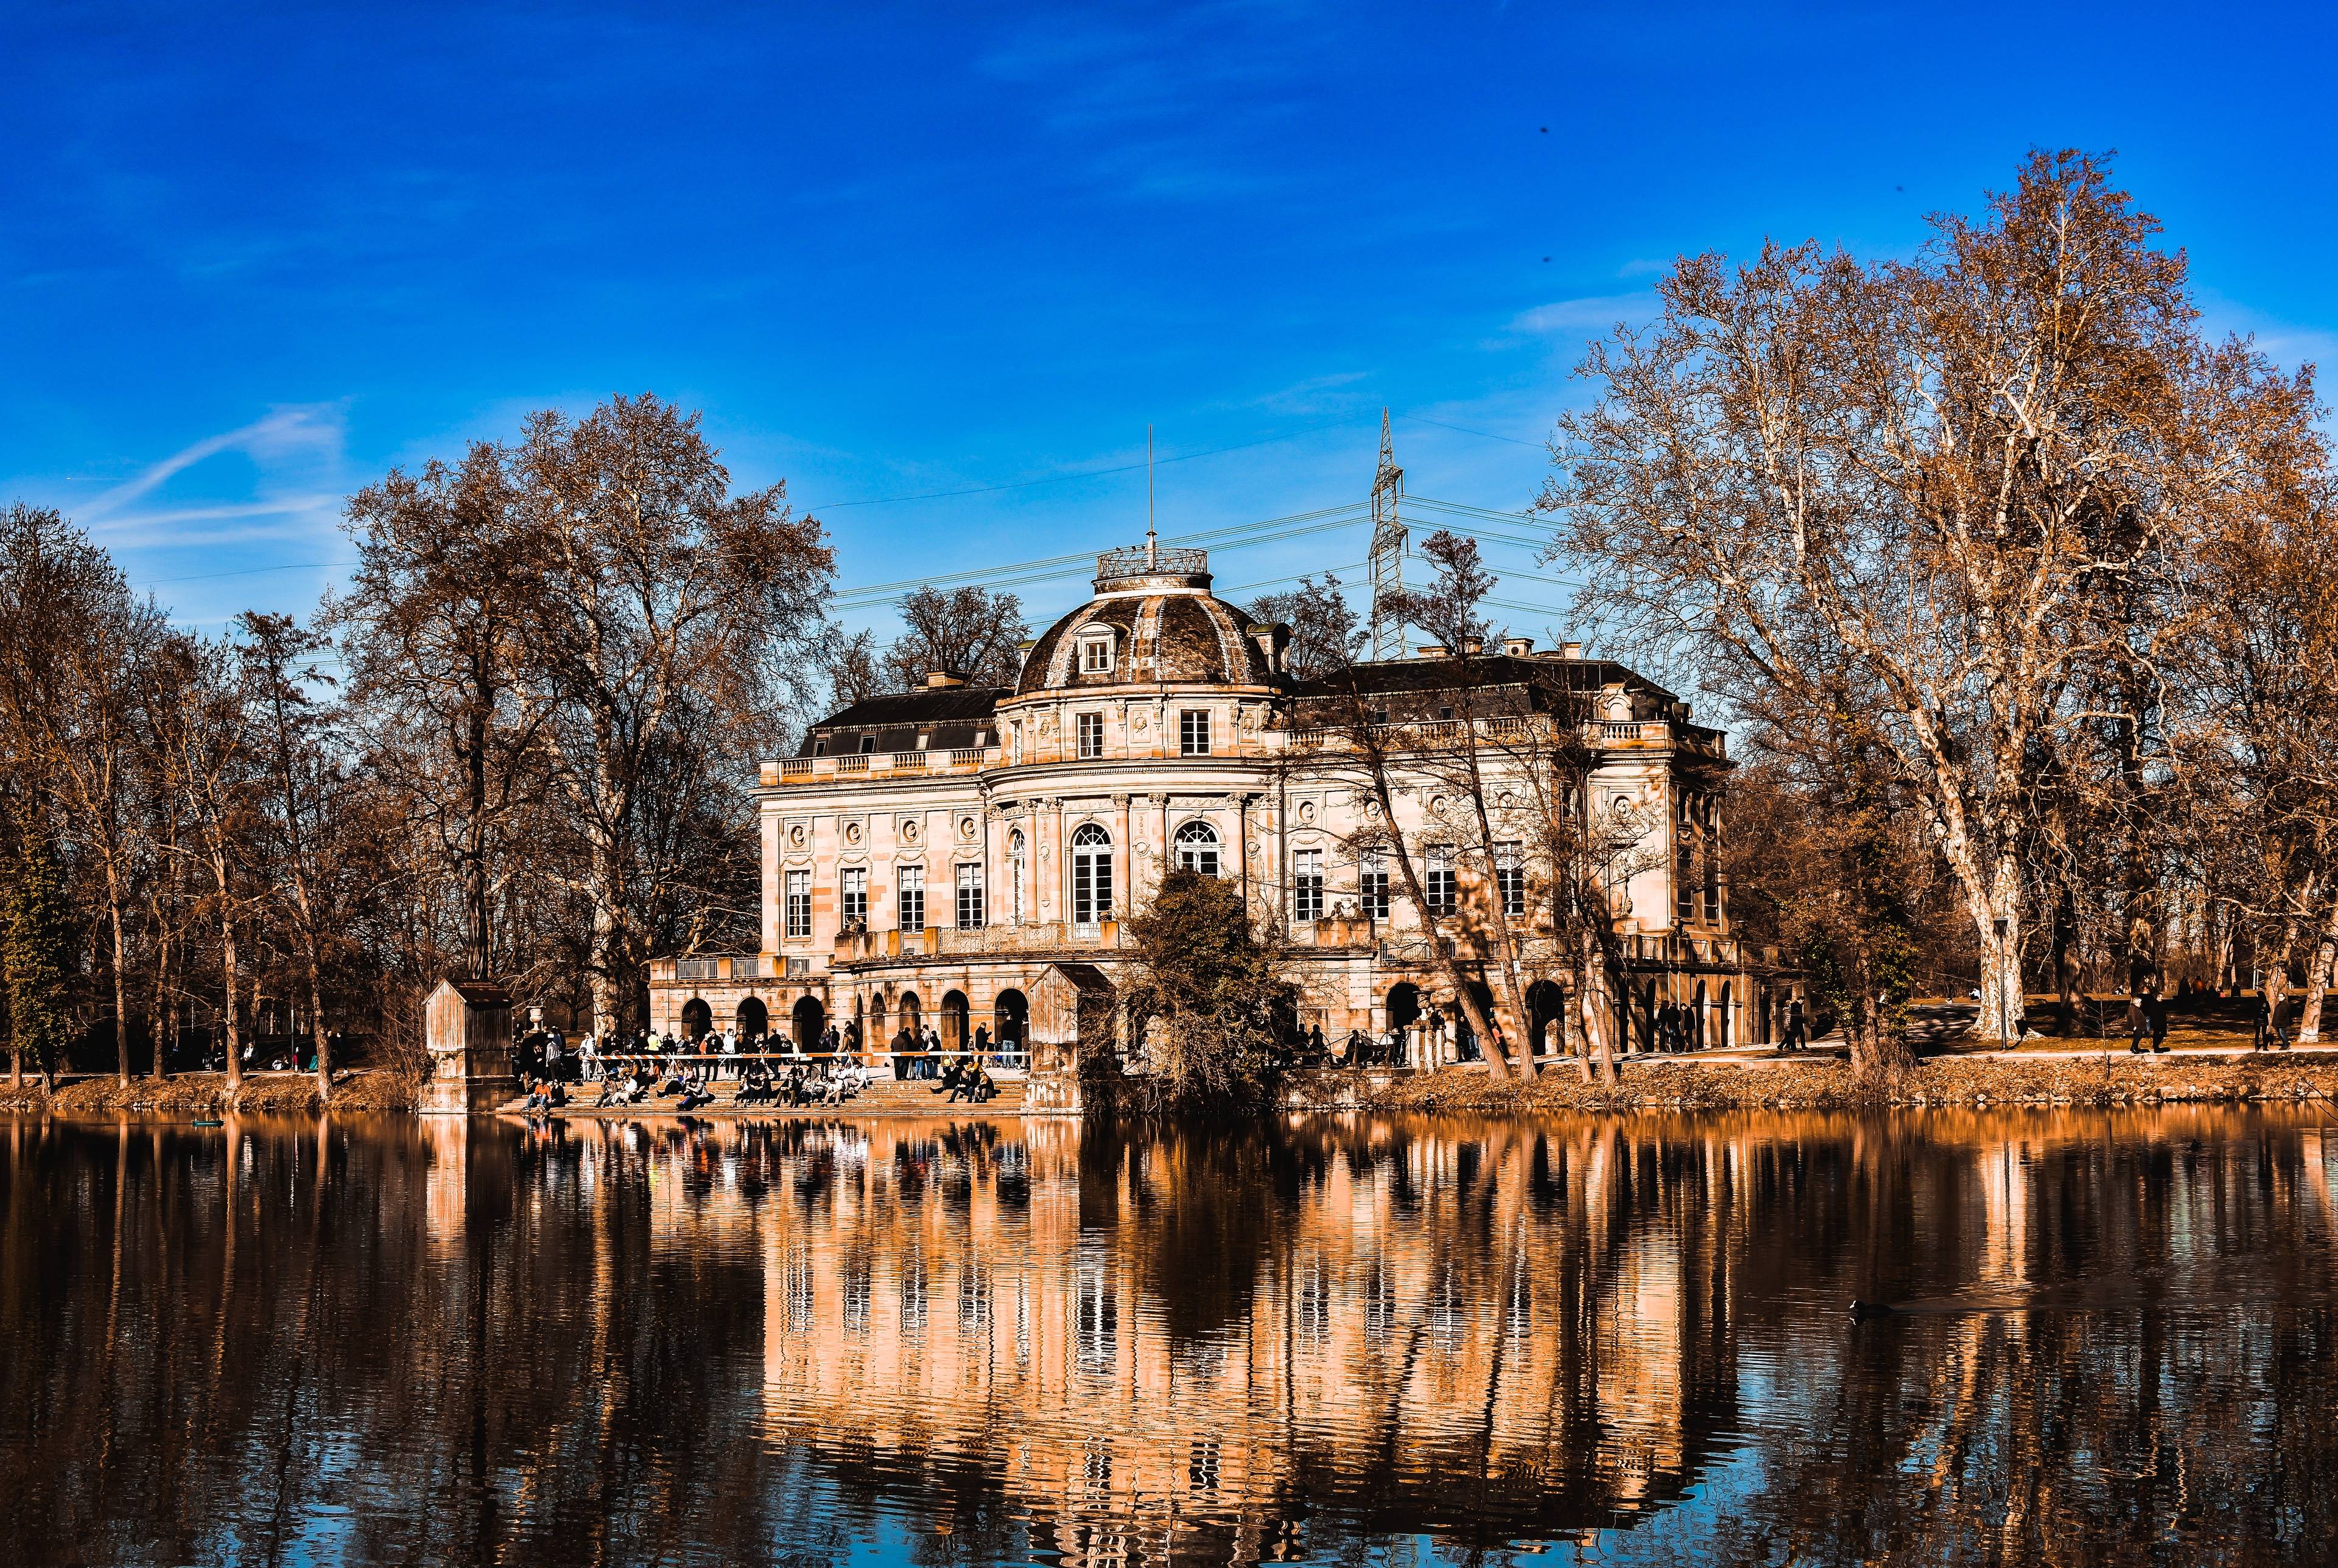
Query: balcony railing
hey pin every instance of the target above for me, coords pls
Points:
(709, 966)
(797, 770)
(1430, 733)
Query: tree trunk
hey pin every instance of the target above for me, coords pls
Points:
(121, 987)
(2317, 977)
(234, 1036)
(316, 1022)
(2000, 929)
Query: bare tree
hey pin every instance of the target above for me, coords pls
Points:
(970, 631)
(432, 624)
(72, 705)
(281, 678)
(1324, 636)
(660, 599)
(1917, 478)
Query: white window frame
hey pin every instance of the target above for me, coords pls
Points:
(1307, 885)
(1193, 732)
(852, 889)
(1441, 886)
(969, 897)
(1096, 654)
(909, 896)
(1198, 848)
(1510, 877)
(1090, 869)
(1372, 886)
(1089, 728)
(796, 904)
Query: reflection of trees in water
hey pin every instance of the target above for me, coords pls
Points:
(619, 1343)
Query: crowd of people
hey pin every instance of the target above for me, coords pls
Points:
(770, 1069)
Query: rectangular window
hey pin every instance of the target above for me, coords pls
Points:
(854, 908)
(1307, 885)
(799, 904)
(969, 897)
(1193, 732)
(1510, 875)
(868, 744)
(1091, 734)
(913, 897)
(1372, 888)
(1442, 890)
(1712, 885)
(1683, 877)
(1096, 656)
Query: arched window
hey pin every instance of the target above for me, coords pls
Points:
(1197, 848)
(1015, 875)
(1091, 875)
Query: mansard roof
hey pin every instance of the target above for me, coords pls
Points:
(947, 717)
(1538, 680)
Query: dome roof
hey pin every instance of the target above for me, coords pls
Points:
(1162, 624)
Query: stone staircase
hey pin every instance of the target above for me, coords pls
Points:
(883, 1097)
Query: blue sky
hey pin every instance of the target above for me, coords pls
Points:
(252, 258)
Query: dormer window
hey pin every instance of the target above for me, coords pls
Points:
(1095, 653)
(868, 744)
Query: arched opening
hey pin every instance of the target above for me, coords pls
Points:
(697, 1019)
(1648, 1041)
(754, 1020)
(909, 1015)
(874, 1035)
(954, 1026)
(1015, 878)
(1722, 1023)
(1697, 1038)
(1467, 1047)
(1197, 848)
(810, 1021)
(1547, 1018)
(1091, 875)
(1403, 1011)
(1010, 1017)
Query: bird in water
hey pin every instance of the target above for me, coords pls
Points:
(1862, 1311)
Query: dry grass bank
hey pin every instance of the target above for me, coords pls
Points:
(2092, 1080)
(206, 1095)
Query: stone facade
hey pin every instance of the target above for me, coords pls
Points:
(960, 853)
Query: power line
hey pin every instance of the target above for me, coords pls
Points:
(1083, 474)
(1464, 429)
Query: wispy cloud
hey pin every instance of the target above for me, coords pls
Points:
(313, 430)
(1585, 317)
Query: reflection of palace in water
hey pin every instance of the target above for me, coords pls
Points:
(1530, 1324)
(967, 1341)
(1123, 1339)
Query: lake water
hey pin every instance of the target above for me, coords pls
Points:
(1341, 1341)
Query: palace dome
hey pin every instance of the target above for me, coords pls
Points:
(1153, 619)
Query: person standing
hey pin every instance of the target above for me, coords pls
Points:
(1794, 1040)
(2156, 1006)
(2136, 1027)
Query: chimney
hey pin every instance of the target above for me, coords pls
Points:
(937, 679)
(1473, 646)
(1517, 647)
(1270, 640)
(1430, 650)
(1571, 650)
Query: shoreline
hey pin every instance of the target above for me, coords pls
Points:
(2044, 1080)
(1672, 1084)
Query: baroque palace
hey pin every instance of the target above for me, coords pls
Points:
(961, 856)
